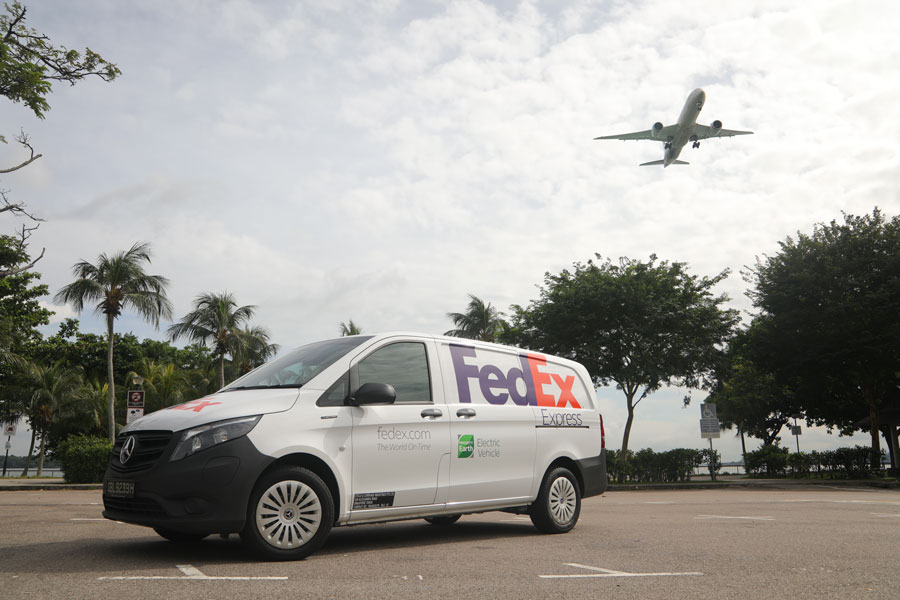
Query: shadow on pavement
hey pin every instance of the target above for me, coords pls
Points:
(141, 555)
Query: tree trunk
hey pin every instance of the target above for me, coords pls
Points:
(876, 439)
(221, 371)
(40, 465)
(629, 399)
(743, 450)
(111, 401)
(30, 452)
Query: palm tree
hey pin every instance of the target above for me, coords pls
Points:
(216, 321)
(256, 351)
(118, 282)
(350, 328)
(53, 391)
(480, 321)
(170, 385)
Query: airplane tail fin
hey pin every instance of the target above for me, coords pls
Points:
(662, 162)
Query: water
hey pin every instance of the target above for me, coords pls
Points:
(33, 471)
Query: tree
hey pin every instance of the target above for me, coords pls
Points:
(217, 321)
(255, 349)
(118, 282)
(350, 328)
(638, 324)
(20, 315)
(29, 64)
(52, 389)
(747, 395)
(481, 321)
(832, 300)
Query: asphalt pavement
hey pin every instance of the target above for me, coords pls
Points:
(796, 541)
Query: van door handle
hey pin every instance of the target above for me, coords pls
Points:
(465, 413)
(432, 413)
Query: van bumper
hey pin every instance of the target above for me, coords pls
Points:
(204, 493)
(593, 474)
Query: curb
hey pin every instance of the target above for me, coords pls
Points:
(763, 483)
(21, 487)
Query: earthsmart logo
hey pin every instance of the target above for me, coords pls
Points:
(465, 447)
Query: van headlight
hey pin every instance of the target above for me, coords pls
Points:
(200, 438)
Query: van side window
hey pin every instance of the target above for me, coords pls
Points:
(403, 365)
(336, 395)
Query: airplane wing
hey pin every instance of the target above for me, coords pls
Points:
(660, 136)
(704, 132)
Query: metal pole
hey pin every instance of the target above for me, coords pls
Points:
(712, 458)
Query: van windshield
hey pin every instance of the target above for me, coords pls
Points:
(297, 367)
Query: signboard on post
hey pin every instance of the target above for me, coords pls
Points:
(136, 399)
(9, 429)
(133, 414)
(709, 422)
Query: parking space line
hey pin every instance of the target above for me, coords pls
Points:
(601, 572)
(728, 517)
(190, 573)
(886, 514)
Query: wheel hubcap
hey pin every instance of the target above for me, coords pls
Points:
(562, 499)
(288, 514)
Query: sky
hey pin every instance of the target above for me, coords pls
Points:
(378, 161)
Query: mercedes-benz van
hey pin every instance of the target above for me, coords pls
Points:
(365, 429)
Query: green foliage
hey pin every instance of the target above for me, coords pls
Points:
(19, 294)
(747, 395)
(20, 315)
(481, 321)
(713, 461)
(647, 466)
(830, 302)
(853, 463)
(350, 328)
(641, 325)
(769, 459)
(84, 458)
(29, 62)
(217, 321)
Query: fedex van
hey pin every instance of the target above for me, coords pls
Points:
(365, 429)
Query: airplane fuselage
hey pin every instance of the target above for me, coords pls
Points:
(685, 126)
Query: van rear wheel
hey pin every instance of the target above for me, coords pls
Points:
(558, 504)
(290, 514)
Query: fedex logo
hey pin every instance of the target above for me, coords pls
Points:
(498, 387)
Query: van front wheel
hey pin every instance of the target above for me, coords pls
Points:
(290, 514)
(558, 504)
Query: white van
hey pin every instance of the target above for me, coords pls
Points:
(365, 429)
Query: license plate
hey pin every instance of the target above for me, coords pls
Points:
(119, 489)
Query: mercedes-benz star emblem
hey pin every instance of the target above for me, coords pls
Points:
(127, 450)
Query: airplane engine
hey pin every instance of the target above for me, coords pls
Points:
(657, 127)
(715, 128)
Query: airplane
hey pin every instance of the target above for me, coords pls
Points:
(674, 137)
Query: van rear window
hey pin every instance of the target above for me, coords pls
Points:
(297, 367)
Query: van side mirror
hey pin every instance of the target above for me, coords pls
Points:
(374, 393)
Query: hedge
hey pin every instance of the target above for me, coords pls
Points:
(645, 466)
(848, 462)
(83, 458)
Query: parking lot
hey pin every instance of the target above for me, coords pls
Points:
(799, 542)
